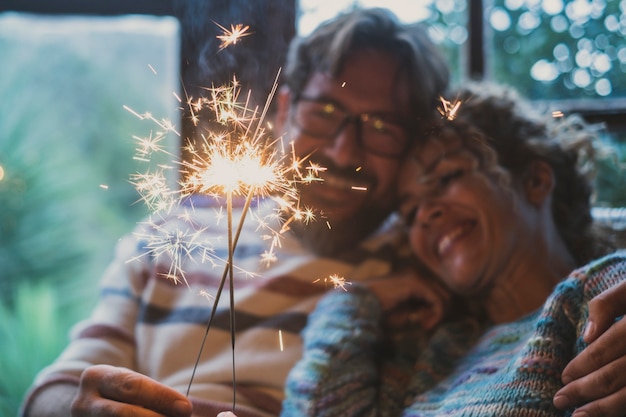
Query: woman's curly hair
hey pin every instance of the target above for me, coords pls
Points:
(520, 133)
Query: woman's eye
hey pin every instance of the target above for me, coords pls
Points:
(447, 178)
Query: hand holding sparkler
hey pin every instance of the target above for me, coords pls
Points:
(112, 391)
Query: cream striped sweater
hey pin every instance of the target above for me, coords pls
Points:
(146, 322)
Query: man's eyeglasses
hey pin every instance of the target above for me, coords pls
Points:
(324, 120)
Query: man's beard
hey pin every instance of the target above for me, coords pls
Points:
(333, 238)
(328, 236)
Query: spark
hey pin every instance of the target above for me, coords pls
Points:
(152, 69)
(133, 112)
(449, 109)
(103, 186)
(336, 280)
(232, 36)
(280, 340)
(557, 113)
(205, 294)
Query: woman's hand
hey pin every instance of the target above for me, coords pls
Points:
(595, 380)
(408, 298)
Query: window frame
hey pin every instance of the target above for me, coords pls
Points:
(612, 112)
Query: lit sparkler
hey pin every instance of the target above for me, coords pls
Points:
(235, 158)
(238, 159)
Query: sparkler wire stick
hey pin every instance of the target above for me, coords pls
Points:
(227, 268)
(225, 108)
(229, 265)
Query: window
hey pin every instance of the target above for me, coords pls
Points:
(567, 55)
(67, 142)
(66, 157)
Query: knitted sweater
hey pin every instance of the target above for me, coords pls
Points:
(464, 369)
(152, 324)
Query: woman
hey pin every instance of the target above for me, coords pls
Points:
(501, 219)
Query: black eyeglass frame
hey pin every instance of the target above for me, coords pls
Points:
(358, 120)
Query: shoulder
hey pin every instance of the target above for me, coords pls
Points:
(591, 279)
(607, 270)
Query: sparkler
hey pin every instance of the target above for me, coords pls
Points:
(238, 158)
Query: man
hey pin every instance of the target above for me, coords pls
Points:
(355, 92)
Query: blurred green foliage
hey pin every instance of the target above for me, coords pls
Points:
(66, 159)
(558, 50)
(33, 330)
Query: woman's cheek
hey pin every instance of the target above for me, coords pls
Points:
(418, 245)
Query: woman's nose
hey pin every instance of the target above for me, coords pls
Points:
(430, 211)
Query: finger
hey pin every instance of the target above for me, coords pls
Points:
(130, 387)
(612, 406)
(598, 386)
(103, 407)
(610, 346)
(604, 309)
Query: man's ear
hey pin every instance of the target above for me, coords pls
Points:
(282, 113)
(538, 182)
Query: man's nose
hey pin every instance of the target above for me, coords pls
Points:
(346, 150)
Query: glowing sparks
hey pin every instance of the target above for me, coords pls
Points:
(336, 281)
(232, 36)
(221, 167)
(280, 340)
(449, 109)
(1, 173)
(235, 158)
(176, 245)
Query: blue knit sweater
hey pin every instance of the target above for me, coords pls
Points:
(465, 368)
